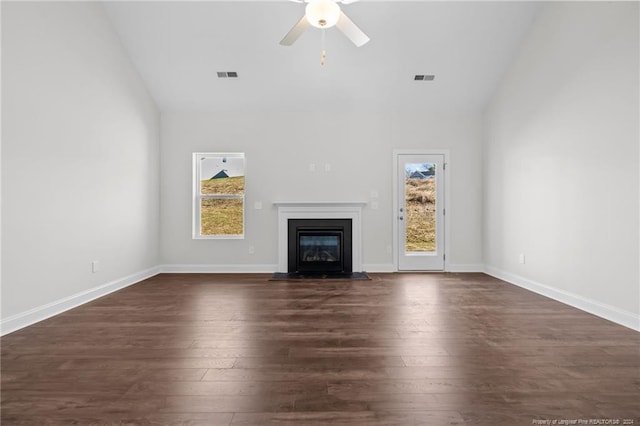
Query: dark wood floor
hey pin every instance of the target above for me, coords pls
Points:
(401, 349)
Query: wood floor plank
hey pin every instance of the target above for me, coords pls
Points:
(229, 388)
(293, 373)
(228, 403)
(342, 362)
(366, 352)
(349, 418)
(112, 419)
(400, 349)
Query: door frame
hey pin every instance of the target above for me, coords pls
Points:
(396, 246)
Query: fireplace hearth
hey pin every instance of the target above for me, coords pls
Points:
(320, 246)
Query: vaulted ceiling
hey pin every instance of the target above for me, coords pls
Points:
(179, 47)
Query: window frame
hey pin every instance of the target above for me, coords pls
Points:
(198, 196)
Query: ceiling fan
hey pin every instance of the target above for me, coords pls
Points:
(325, 14)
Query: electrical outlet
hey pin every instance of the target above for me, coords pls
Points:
(257, 205)
(312, 167)
(252, 250)
(374, 193)
(95, 266)
(327, 167)
(374, 205)
(521, 258)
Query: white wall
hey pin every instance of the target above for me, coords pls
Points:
(561, 160)
(280, 146)
(80, 157)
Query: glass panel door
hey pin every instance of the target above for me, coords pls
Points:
(420, 215)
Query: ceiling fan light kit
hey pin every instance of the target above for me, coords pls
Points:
(322, 13)
(325, 14)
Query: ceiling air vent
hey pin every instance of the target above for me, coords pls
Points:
(227, 74)
(424, 77)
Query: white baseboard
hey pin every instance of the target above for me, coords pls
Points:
(389, 267)
(220, 269)
(378, 267)
(37, 314)
(608, 312)
(250, 269)
(465, 267)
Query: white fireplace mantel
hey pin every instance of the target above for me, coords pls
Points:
(330, 204)
(320, 210)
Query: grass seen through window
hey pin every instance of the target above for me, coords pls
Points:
(222, 216)
(420, 214)
(226, 186)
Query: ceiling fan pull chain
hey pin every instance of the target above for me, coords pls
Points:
(323, 55)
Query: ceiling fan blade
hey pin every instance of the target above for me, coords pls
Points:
(295, 32)
(351, 30)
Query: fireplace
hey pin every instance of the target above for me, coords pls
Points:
(319, 246)
(344, 210)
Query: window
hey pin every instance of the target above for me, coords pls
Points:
(218, 195)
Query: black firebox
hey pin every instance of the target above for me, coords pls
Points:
(320, 246)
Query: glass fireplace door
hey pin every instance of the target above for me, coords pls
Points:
(320, 251)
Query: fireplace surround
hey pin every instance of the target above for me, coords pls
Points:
(345, 210)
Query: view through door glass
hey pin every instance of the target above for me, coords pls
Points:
(420, 244)
(420, 203)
